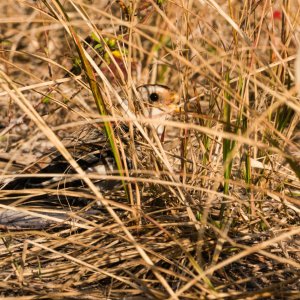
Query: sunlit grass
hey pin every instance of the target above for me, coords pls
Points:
(210, 210)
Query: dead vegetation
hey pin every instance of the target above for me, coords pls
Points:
(210, 211)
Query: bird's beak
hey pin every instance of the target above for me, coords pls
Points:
(175, 108)
(172, 102)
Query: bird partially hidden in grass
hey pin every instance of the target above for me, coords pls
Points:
(92, 153)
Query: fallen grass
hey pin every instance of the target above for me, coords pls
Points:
(212, 211)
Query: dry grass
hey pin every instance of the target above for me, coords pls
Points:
(212, 213)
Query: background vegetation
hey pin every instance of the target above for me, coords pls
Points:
(210, 213)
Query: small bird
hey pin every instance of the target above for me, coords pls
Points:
(94, 155)
(160, 102)
(158, 98)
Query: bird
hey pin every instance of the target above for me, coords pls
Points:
(160, 102)
(90, 148)
(92, 151)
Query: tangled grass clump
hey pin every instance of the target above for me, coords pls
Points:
(209, 209)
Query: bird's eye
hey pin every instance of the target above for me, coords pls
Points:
(154, 97)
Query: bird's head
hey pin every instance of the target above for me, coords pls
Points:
(158, 99)
(160, 103)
